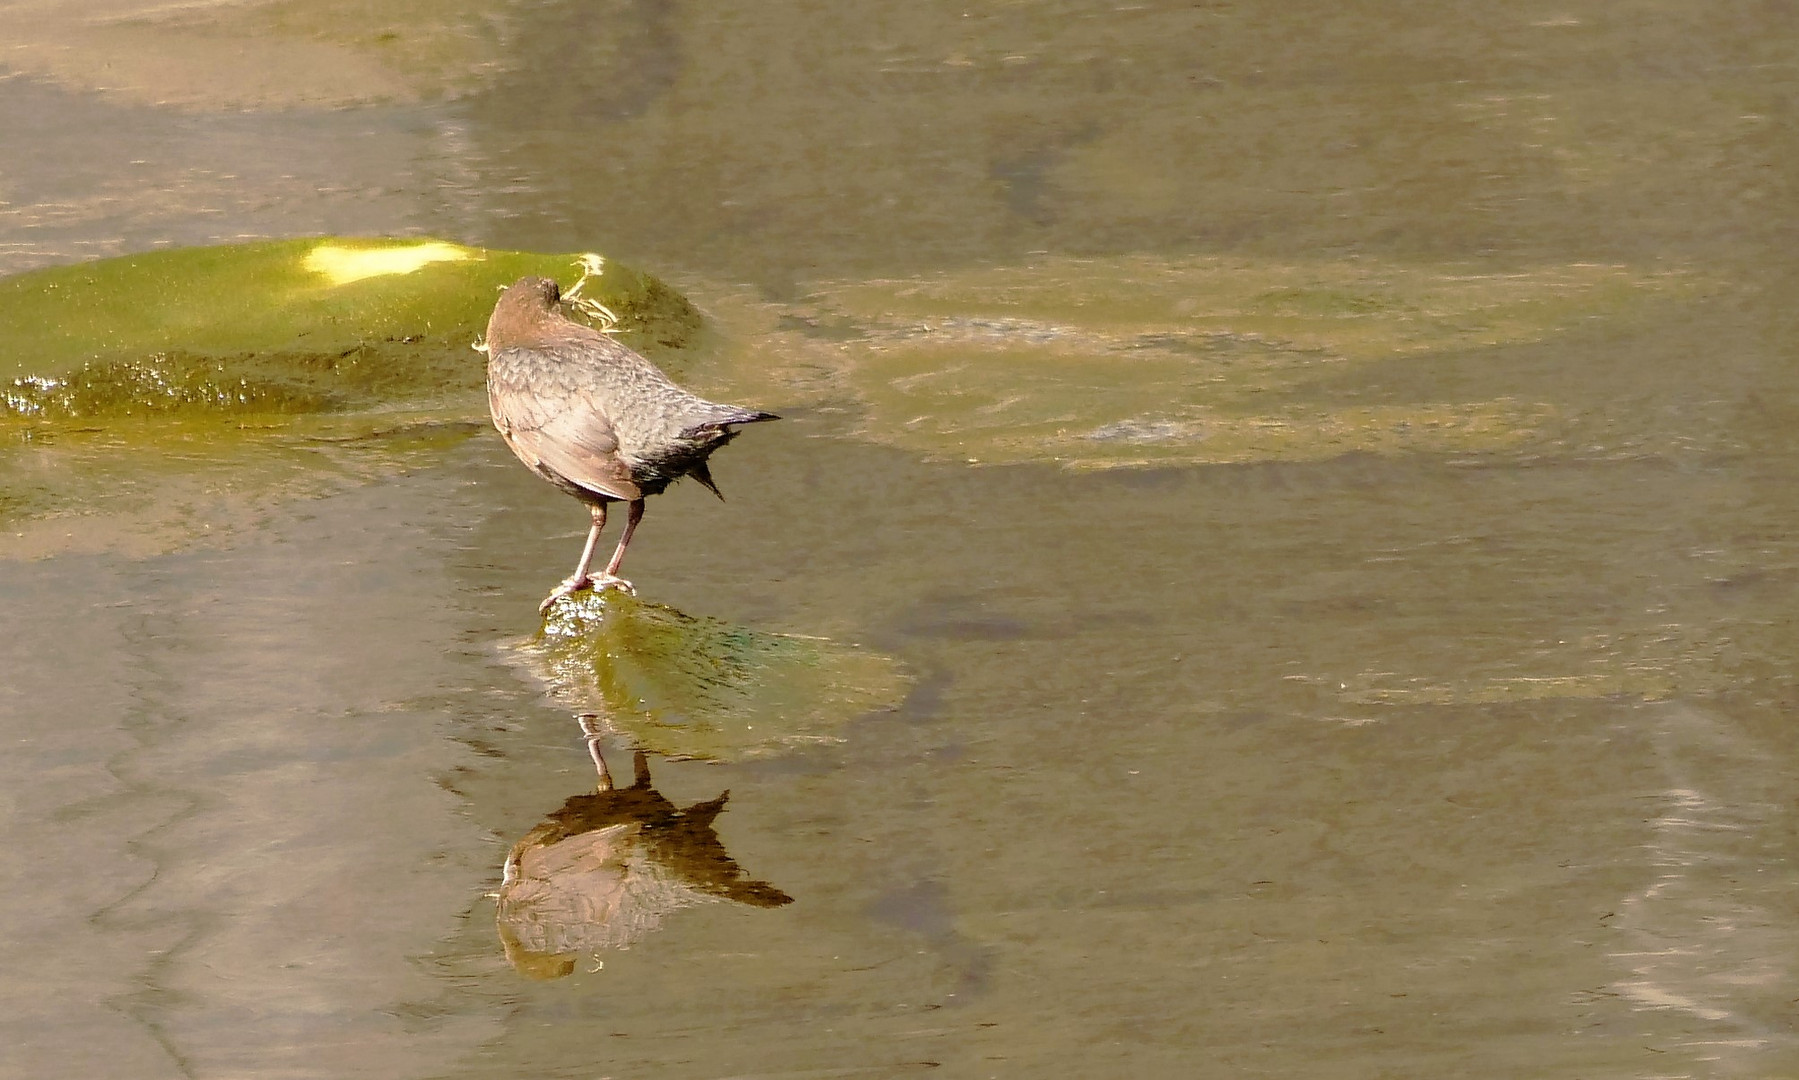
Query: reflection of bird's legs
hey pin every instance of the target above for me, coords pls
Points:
(592, 734)
(591, 729)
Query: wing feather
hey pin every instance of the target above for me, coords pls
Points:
(556, 428)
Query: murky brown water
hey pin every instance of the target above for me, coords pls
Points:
(1405, 693)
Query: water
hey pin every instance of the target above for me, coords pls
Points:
(1292, 754)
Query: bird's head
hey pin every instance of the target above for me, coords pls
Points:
(526, 314)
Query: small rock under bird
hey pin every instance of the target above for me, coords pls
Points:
(595, 418)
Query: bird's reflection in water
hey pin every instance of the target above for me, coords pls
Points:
(601, 872)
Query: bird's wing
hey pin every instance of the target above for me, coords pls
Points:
(578, 460)
(558, 427)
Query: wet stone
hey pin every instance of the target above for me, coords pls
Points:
(688, 686)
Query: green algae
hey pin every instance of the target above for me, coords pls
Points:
(1099, 363)
(698, 687)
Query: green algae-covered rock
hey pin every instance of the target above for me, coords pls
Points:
(158, 399)
(287, 326)
(698, 687)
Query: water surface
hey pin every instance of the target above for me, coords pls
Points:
(1414, 702)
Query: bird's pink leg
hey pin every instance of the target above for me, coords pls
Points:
(632, 517)
(608, 578)
(579, 579)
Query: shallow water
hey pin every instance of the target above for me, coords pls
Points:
(1340, 754)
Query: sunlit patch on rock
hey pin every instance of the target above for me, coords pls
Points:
(341, 265)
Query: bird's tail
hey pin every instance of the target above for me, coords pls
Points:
(716, 430)
(717, 417)
(736, 414)
(704, 476)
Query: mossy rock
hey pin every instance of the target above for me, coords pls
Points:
(176, 394)
(287, 326)
(697, 687)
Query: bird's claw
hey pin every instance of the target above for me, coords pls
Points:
(568, 588)
(573, 585)
(602, 582)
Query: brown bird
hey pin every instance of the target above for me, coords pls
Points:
(595, 418)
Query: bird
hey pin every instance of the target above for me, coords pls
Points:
(595, 418)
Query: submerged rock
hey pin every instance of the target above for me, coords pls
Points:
(698, 687)
(1136, 360)
(234, 55)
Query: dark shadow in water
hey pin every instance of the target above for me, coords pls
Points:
(923, 908)
(601, 872)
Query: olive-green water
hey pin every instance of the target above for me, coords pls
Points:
(1278, 560)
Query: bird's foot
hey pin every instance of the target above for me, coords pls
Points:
(573, 585)
(569, 587)
(602, 582)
